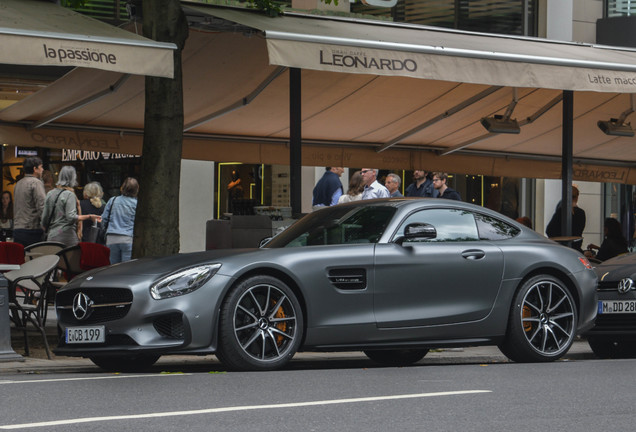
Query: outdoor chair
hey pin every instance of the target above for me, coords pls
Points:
(42, 248)
(28, 299)
(11, 253)
(75, 260)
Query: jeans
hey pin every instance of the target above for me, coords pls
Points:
(120, 252)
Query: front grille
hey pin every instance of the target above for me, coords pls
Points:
(607, 286)
(109, 304)
(170, 326)
(625, 322)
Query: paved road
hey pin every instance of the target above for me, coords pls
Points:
(447, 392)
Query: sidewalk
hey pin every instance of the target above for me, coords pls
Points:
(37, 362)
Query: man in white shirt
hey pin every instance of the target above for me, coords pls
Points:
(372, 189)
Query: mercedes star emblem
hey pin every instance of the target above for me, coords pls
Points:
(625, 285)
(81, 306)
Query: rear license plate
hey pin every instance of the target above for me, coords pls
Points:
(82, 335)
(616, 306)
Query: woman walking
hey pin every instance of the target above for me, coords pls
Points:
(119, 216)
(62, 217)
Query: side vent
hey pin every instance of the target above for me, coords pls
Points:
(349, 279)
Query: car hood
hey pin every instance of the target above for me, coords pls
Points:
(164, 265)
(617, 268)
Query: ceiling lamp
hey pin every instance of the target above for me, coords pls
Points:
(503, 123)
(618, 127)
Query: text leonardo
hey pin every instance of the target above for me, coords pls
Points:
(364, 62)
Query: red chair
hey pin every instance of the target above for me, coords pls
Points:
(11, 253)
(93, 256)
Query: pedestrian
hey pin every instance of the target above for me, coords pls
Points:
(328, 189)
(422, 185)
(578, 222)
(356, 186)
(93, 203)
(613, 244)
(29, 203)
(393, 183)
(372, 188)
(62, 217)
(440, 180)
(6, 216)
(119, 216)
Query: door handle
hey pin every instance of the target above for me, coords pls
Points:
(473, 254)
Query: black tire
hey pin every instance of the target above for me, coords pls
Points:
(397, 357)
(542, 322)
(132, 363)
(261, 325)
(612, 348)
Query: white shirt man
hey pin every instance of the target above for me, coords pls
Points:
(372, 189)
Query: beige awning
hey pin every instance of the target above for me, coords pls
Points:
(393, 49)
(40, 33)
(236, 107)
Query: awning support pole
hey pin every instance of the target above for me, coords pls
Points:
(566, 163)
(295, 137)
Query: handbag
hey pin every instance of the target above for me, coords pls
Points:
(101, 227)
(45, 233)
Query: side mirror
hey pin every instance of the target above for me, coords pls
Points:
(417, 231)
(264, 241)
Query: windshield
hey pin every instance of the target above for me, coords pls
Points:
(336, 225)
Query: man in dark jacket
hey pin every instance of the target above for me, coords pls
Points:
(328, 189)
(422, 186)
(439, 181)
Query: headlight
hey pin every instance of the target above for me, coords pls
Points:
(183, 282)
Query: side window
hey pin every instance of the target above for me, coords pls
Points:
(491, 228)
(451, 224)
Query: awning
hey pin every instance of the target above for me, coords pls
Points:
(40, 33)
(392, 49)
(236, 104)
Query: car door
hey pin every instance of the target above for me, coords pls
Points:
(452, 278)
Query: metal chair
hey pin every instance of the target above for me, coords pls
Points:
(28, 299)
(42, 248)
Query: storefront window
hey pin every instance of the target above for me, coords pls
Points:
(618, 8)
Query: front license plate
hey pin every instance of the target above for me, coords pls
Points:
(616, 306)
(82, 335)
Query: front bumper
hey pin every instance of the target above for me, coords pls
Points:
(135, 322)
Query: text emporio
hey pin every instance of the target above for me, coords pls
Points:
(355, 61)
(76, 54)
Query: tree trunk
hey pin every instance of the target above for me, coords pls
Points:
(157, 218)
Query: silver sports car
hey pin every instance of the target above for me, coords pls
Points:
(392, 278)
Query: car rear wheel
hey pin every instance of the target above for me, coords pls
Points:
(261, 325)
(133, 363)
(399, 357)
(606, 348)
(542, 322)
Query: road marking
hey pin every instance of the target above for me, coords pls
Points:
(38, 381)
(239, 408)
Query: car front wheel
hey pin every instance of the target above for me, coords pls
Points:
(542, 321)
(261, 325)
